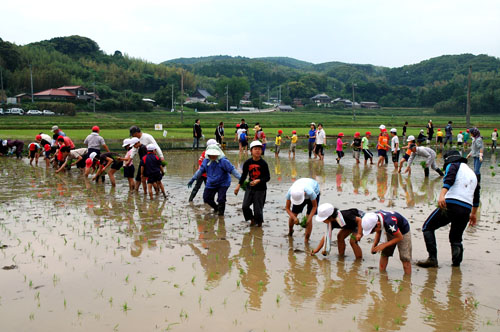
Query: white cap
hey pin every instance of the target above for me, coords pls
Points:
(54, 128)
(151, 147)
(421, 130)
(430, 120)
(410, 138)
(211, 142)
(133, 141)
(313, 124)
(368, 222)
(4, 142)
(394, 130)
(381, 127)
(324, 212)
(297, 195)
(126, 142)
(92, 155)
(213, 150)
(254, 144)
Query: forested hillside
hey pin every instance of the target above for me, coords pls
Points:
(122, 81)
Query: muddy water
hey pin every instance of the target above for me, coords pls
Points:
(84, 257)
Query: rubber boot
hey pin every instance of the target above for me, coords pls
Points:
(222, 208)
(457, 253)
(426, 171)
(430, 244)
(440, 172)
(214, 206)
(193, 194)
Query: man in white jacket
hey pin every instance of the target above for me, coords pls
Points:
(430, 159)
(145, 140)
(458, 203)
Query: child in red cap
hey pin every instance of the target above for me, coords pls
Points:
(293, 143)
(340, 147)
(277, 143)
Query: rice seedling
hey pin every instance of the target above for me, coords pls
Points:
(125, 307)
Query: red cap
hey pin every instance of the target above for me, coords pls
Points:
(368, 133)
(460, 131)
(60, 138)
(294, 131)
(47, 147)
(356, 134)
(467, 130)
(280, 131)
(95, 128)
(439, 129)
(38, 137)
(88, 162)
(341, 134)
(495, 129)
(238, 125)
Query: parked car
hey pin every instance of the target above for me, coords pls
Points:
(1, 111)
(34, 112)
(48, 112)
(17, 111)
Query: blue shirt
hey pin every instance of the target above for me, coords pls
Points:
(312, 132)
(218, 173)
(311, 188)
(393, 222)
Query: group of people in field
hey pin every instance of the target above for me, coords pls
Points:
(457, 204)
(458, 200)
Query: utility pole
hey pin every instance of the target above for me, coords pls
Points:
(227, 98)
(172, 99)
(268, 93)
(31, 77)
(467, 114)
(353, 109)
(279, 96)
(182, 96)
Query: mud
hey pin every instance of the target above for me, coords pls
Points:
(77, 256)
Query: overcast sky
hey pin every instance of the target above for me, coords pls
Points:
(387, 32)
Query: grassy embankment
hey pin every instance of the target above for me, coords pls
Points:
(114, 126)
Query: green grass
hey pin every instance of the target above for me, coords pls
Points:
(114, 126)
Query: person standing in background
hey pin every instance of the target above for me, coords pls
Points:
(430, 131)
(219, 133)
(404, 130)
(94, 141)
(476, 151)
(196, 134)
(448, 134)
(494, 138)
(312, 140)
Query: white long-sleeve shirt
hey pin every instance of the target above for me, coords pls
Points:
(422, 151)
(145, 140)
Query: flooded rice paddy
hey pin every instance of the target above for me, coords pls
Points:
(76, 256)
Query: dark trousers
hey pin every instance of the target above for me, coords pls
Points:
(455, 214)
(257, 198)
(310, 146)
(197, 187)
(448, 139)
(209, 196)
(196, 142)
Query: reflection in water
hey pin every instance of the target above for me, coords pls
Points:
(336, 290)
(395, 178)
(293, 169)
(338, 177)
(255, 279)
(408, 189)
(356, 178)
(388, 312)
(381, 183)
(151, 226)
(277, 168)
(301, 282)
(454, 313)
(365, 179)
(216, 248)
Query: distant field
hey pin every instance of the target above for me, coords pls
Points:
(115, 125)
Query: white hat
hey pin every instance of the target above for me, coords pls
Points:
(430, 120)
(54, 128)
(213, 150)
(381, 127)
(410, 138)
(313, 124)
(254, 144)
(92, 155)
(4, 142)
(211, 142)
(297, 195)
(133, 141)
(394, 130)
(324, 212)
(126, 142)
(368, 222)
(151, 147)
(421, 130)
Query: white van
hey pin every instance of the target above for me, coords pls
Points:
(17, 111)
